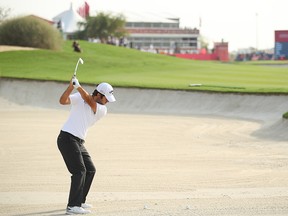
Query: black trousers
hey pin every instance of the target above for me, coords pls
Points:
(79, 164)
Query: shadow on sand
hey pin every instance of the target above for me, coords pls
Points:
(58, 212)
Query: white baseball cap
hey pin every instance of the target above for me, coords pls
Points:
(107, 90)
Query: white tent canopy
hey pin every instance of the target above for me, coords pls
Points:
(69, 20)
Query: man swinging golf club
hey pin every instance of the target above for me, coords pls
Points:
(86, 110)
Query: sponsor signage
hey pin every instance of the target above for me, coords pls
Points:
(281, 45)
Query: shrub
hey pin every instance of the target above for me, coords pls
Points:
(285, 115)
(30, 31)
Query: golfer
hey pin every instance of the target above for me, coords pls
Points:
(86, 110)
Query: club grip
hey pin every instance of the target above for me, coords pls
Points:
(74, 75)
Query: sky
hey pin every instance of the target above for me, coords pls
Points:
(241, 23)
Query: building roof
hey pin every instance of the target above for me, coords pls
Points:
(149, 17)
(162, 31)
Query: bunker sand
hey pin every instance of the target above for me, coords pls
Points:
(148, 162)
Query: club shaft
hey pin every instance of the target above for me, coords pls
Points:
(75, 71)
(76, 68)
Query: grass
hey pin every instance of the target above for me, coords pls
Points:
(130, 68)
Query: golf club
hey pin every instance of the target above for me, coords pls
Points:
(82, 62)
(75, 71)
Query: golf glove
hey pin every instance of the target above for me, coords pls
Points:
(75, 83)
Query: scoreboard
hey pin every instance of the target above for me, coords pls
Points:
(281, 44)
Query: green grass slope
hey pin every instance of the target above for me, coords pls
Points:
(124, 67)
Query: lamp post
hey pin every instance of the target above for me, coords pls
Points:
(256, 31)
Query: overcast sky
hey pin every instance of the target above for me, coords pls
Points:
(242, 23)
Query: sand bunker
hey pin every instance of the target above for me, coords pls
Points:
(157, 153)
(267, 109)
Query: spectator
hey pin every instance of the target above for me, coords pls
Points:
(76, 46)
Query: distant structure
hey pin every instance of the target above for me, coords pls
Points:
(163, 35)
(220, 52)
(281, 45)
(67, 22)
(150, 33)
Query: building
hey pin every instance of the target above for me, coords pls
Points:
(161, 35)
(219, 53)
(68, 22)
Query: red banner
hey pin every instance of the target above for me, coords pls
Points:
(281, 36)
(84, 10)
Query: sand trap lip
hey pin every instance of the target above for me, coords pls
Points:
(148, 101)
(5, 48)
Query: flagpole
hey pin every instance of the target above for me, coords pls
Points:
(256, 31)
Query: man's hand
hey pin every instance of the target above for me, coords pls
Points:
(75, 83)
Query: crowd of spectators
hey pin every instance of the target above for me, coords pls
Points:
(254, 56)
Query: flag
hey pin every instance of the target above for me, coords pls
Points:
(84, 10)
(87, 9)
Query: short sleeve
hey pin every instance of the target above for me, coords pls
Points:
(101, 111)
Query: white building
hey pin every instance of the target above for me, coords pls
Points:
(161, 34)
(69, 22)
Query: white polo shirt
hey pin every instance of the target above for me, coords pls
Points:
(82, 116)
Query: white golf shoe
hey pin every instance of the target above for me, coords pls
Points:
(74, 210)
(86, 205)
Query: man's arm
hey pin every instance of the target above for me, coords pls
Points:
(64, 99)
(85, 95)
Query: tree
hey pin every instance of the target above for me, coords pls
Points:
(204, 42)
(4, 13)
(104, 26)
